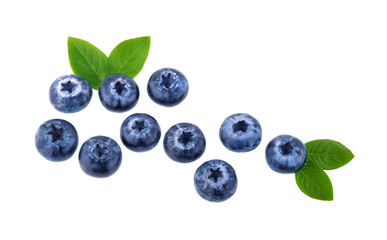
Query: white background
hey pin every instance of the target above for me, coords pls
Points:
(312, 69)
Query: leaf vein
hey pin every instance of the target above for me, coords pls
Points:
(92, 68)
(322, 154)
(127, 60)
(314, 182)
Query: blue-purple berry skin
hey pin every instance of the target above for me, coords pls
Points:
(240, 132)
(118, 93)
(184, 142)
(285, 154)
(56, 140)
(167, 87)
(70, 93)
(140, 132)
(215, 180)
(100, 156)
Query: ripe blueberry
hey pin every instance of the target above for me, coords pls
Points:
(167, 87)
(240, 133)
(184, 142)
(70, 93)
(285, 154)
(56, 140)
(100, 156)
(140, 132)
(215, 180)
(118, 93)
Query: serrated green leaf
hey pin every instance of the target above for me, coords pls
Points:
(87, 61)
(129, 56)
(314, 182)
(327, 154)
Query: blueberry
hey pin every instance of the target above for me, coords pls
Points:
(285, 154)
(56, 140)
(100, 156)
(70, 93)
(118, 93)
(240, 133)
(167, 87)
(140, 132)
(215, 180)
(184, 142)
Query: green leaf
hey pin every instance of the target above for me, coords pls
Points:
(314, 182)
(327, 154)
(87, 61)
(129, 56)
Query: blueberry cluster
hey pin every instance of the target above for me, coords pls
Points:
(101, 156)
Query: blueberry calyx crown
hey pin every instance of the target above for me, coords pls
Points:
(287, 148)
(56, 133)
(139, 125)
(240, 126)
(215, 174)
(100, 151)
(168, 80)
(185, 137)
(119, 87)
(68, 86)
